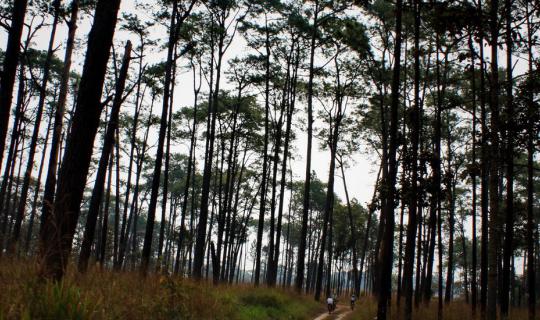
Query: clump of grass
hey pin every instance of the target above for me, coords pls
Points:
(56, 301)
(264, 303)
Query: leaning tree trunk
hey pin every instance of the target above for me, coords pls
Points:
(60, 227)
(108, 144)
(11, 60)
(12, 154)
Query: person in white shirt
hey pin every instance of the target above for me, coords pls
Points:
(330, 304)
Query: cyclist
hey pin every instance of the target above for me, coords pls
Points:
(330, 304)
(353, 301)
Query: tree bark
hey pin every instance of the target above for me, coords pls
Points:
(108, 144)
(510, 132)
(386, 254)
(494, 214)
(56, 142)
(60, 227)
(9, 70)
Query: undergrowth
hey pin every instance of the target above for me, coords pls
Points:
(366, 309)
(102, 294)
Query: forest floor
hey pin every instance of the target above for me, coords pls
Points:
(100, 294)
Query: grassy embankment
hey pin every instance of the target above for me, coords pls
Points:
(108, 295)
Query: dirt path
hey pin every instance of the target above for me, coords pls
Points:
(340, 313)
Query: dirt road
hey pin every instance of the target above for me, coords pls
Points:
(340, 313)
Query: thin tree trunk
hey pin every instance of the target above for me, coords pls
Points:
(474, 287)
(307, 182)
(413, 197)
(200, 242)
(117, 201)
(104, 228)
(386, 254)
(531, 223)
(356, 280)
(56, 143)
(494, 219)
(510, 132)
(21, 210)
(484, 180)
(193, 141)
(262, 209)
(147, 247)
(36, 190)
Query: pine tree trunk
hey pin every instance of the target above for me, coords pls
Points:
(413, 196)
(56, 142)
(200, 243)
(510, 132)
(484, 179)
(531, 223)
(356, 280)
(21, 210)
(474, 171)
(12, 155)
(117, 202)
(108, 145)
(495, 227)
(262, 209)
(36, 190)
(59, 229)
(9, 69)
(104, 227)
(147, 246)
(165, 190)
(300, 264)
(386, 254)
(190, 170)
(450, 191)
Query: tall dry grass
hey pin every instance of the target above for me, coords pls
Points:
(366, 308)
(102, 294)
